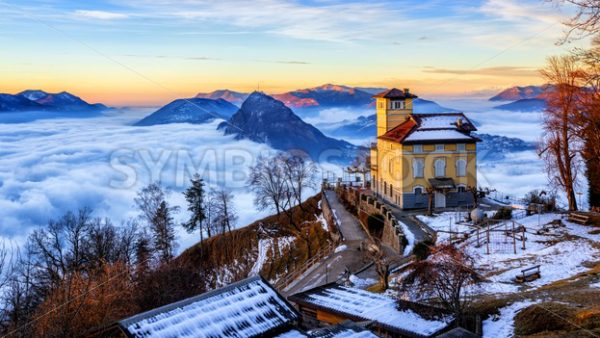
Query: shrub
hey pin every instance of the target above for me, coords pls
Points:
(422, 250)
(504, 213)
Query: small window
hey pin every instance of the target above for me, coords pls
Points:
(418, 148)
(397, 104)
(439, 147)
(418, 167)
(418, 190)
(461, 147)
(461, 188)
(391, 190)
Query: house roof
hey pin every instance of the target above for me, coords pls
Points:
(458, 332)
(361, 305)
(433, 128)
(343, 330)
(248, 308)
(395, 93)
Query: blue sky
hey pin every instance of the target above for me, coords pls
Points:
(149, 52)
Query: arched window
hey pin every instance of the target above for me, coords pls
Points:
(461, 167)
(440, 167)
(419, 167)
(418, 190)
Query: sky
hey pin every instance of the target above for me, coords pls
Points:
(147, 53)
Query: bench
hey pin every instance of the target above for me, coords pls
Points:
(529, 274)
(578, 218)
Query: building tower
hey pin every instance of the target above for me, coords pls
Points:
(394, 106)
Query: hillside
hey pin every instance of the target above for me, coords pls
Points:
(193, 110)
(270, 247)
(264, 119)
(524, 105)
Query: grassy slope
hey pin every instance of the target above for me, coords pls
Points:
(230, 257)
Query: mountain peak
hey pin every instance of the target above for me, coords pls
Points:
(264, 119)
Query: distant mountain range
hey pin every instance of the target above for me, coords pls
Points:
(264, 119)
(524, 105)
(193, 110)
(39, 100)
(525, 99)
(495, 147)
(325, 96)
(520, 93)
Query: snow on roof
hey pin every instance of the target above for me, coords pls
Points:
(437, 134)
(245, 309)
(344, 330)
(439, 121)
(365, 305)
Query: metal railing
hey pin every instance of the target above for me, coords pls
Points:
(285, 281)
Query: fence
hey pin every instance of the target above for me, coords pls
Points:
(285, 281)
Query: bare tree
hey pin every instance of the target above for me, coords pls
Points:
(299, 172)
(445, 277)
(225, 214)
(268, 182)
(560, 148)
(586, 20)
(382, 264)
(148, 201)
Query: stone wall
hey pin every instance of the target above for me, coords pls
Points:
(392, 235)
(330, 219)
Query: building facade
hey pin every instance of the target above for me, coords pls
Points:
(421, 154)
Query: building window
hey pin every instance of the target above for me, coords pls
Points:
(391, 191)
(419, 167)
(461, 147)
(461, 188)
(418, 148)
(384, 187)
(397, 104)
(418, 190)
(439, 147)
(461, 168)
(440, 167)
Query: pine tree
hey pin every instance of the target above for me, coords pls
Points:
(194, 195)
(163, 232)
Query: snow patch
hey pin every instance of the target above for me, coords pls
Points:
(504, 325)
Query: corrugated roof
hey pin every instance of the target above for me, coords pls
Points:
(248, 308)
(359, 304)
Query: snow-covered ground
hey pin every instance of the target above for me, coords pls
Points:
(561, 252)
(266, 249)
(504, 324)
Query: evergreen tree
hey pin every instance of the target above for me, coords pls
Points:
(194, 195)
(163, 232)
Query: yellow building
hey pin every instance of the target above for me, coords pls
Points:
(415, 153)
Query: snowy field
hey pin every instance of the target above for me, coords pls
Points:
(561, 252)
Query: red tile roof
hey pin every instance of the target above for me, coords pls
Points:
(395, 93)
(401, 131)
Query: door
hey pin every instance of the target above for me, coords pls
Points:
(440, 200)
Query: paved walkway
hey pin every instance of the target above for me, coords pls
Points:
(350, 227)
(412, 225)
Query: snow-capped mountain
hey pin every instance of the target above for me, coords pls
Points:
(225, 94)
(15, 103)
(62, 101)
(193, 110)
(39, 100)
(264, 119)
